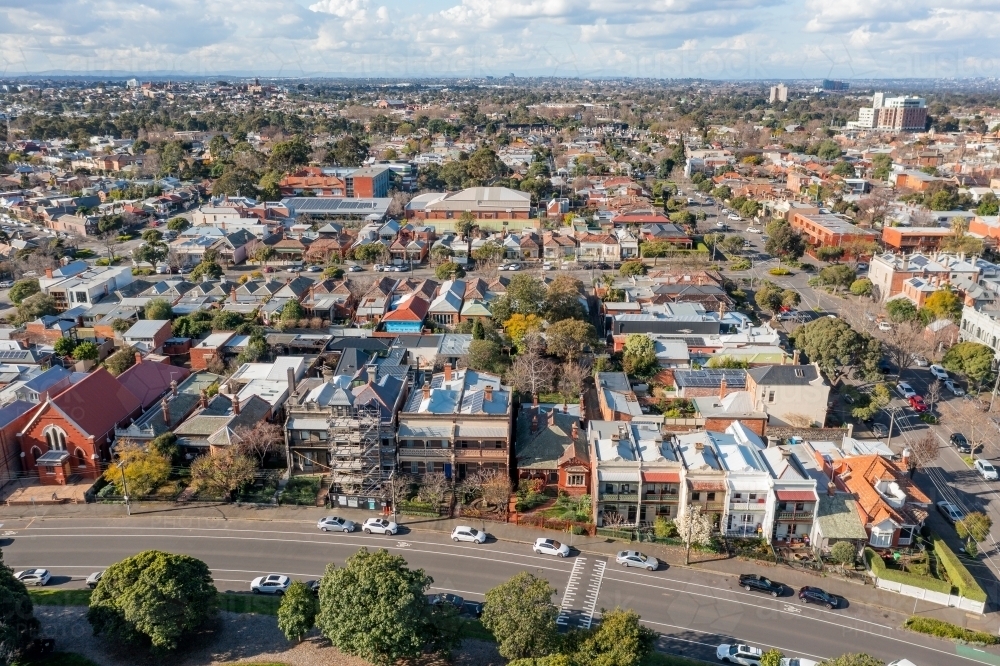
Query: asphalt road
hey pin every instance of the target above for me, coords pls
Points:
(694, 611)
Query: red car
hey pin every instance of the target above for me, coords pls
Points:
(918, 404)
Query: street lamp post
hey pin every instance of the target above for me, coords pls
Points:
(121, 468)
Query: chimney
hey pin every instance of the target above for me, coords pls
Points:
(583, 410)
(372, 373)
(722, 310)
(565, 407)
(850, 430)
(831, 489)
(138, 358)
(173, 388)
(203, 402)
(447, 372)
(576, 430)
(48, 273)
(290, 374)
(722, 388)
(166, 411)
(552, 417)
(488, 393)
(236, 405)
(534, 422)
(795, 357)
(534, 400)
(232, 294)
(427, 391)
(699, 446)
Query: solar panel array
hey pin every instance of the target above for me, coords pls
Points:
(710, 377)
(13, 354)
(324, 205)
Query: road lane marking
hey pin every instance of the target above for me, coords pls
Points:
(591, 599)
(566, 606)
(748, 641)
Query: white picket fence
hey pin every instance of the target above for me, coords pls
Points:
(928, 595)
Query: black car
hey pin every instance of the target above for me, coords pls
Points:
(754, 582)
(313, 586)
(814, 595)
(603, 266)
(441, 599)
(959, 441)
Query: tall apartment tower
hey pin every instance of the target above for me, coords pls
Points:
(779, 93)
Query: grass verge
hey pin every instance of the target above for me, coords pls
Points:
(940, 629)
(475, 629)
(60, 597)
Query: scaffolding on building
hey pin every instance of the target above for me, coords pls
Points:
(355, 452)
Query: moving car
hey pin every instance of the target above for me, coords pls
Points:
(547, 266)
(335, 524)
(94, 578)
(939, 372)
(905, 390)
(814, 595)
(959, 441)
(545, 546)
(37, 577)
(6, 284)
(745, 655)
(950, 512)
(633, 558)
(270, 584)
(464, 533)
(986, 469)
(753, 582)
(380, 526)
(513, 266)
(955, 390)
(313, 269)
(918, 404)
(734, 217)
(753, 230)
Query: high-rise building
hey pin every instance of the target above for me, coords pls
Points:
(900, 114)
(835, 85)
(779, 93)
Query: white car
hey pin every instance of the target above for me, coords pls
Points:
(335, 524)
(939, 372)
(734, 217)
(94, 578)
(950, 512)
(633, 558)
(37, 577)
(545, 546)
(380, 526)
(795, 661)
(919, 361)
(955, 390)
(739, 654)
(378, 268)
(986, 469)
(905, 390)
(884, 326)
(753, 230)
(6, 284)
(354, 268)
(270, 584)
(464, 533)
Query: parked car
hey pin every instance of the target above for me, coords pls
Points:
(633, 558)
(753, 582)
(444, 598)
(849, 399)
(879, 430)
(753, 230)
(745, 655)
(905, 390)
(380, 526)
(920, 361)
(862, 266)
(884, 326)
(545, 546)
(959, 441)
(939, 372)
(335, 524)
(268, 269)
(94, 578)
(548, 266)
(270, 584)
(734, 217)
(814, 595)
(378, 268)
(986, 469)
(6, 284)
(795, 661)
(313, 269)
(37, 577)
(464, 533)
(354, 268)
(918, 404)
(601, 266)
(950, 512)
(953, 388)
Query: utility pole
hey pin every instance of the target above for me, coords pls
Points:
(687, 517)
(121, 468)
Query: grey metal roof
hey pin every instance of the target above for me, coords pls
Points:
(784, 375)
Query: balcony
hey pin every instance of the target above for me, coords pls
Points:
(711, 506)
(424, 454)
(654, 498)
(477, 454)
(618, 497)
(797, 516)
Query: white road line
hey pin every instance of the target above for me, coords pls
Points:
(752, 642)
(568, 596)
(591, 604)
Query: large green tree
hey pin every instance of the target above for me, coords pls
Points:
(153, 597)
(783, 241)
(35, 306)
(159, 308)
(520, 615)
(562, 300)
(18, 626)
(525, 295)
(22, 289)
(969, 359)
(297, 612)
(348, 151)
(286, 155)
(567, 338)
(639, 355)
(837, 347)
(839, 277)
(374, 608)
(901, 310)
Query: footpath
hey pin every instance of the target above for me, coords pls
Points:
(183, 515)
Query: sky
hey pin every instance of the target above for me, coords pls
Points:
(711, 39)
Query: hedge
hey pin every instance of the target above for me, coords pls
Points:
(933, 627)
(878, 568)
(957, 573)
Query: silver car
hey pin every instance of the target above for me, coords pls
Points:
(633, 558)
(380, 526)
(270, 584)
(94, 578)
(335, 524)
(36, 577)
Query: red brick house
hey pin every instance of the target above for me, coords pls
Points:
(71, 433)
(552, 448)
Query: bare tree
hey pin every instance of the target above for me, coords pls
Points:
(571, 379)
(433, 487)
(922, 452)
(260, 439)
(875, 206)
(903, 342)
(492, 485)
(399, 489)
(933, 393)
(531, 372)
(922, 218)
(223, 473)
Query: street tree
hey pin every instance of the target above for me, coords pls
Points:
(933, 394)
(922, 451)
(374, 608)
(771, 297)
(639, 355)
(35, 306)
(732, 245)
(904, 342)
(142, 469)
(449, 270)
(837, 347)
(178, 224)
(620, 640)
(297, 612)
(632, 268)
(521, 616)
(224, 472)
(862, 287)
(878, 399)
(783, 241)
(969, 359)
(774, 656)
(975, 525)
(567, 338)
(18, 625)
(152, 253)
(694, 526)
(154, 597)
(22, 289)
(839, 276)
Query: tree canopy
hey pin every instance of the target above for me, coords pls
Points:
(836, 347)
(520, 615)
(639, 355)
(18, 626)
(969, 359)
(159, 308)
(783, 241)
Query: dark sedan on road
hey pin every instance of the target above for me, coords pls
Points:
(814, 595)
(757, 583)
(959, 441)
